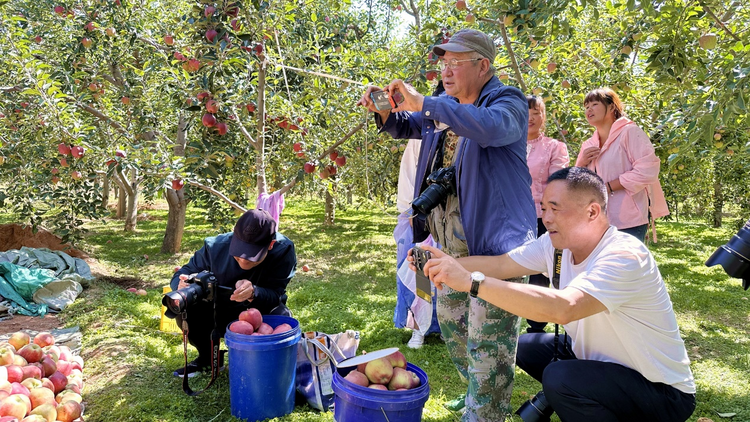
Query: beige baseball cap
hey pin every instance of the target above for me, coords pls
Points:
(467, 40)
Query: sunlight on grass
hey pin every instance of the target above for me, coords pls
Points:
(351, 285)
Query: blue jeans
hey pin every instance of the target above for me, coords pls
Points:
(594, 391)
(637, 231)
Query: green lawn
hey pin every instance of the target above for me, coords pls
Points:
(129, 361)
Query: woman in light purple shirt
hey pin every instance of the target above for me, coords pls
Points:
(544, 156)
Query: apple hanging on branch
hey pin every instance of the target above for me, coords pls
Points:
(208, 120)
(177, 184)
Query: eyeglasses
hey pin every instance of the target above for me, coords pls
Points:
(453, 63)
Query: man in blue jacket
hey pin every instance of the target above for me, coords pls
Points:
(477, 128)
(254, 262)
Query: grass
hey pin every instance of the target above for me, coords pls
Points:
(351, 285)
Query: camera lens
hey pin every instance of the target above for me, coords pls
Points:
(178, 300)
(536, 409)
(433, 196)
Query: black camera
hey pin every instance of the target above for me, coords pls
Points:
(442, 182)
(202, 288)
(536, 409)
(734, 256)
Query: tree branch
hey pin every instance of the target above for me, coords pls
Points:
(721, 24)
(560, 130)
(10, 88)
(513, 61)
(122, 181)
(214, 192)
(341, 141)
(101, 116)
(246, 134)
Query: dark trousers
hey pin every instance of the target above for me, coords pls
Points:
(538, 280)
(200, 319)
(587, 390)
(638, 231)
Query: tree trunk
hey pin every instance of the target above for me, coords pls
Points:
(176, 200)
(121, 202)
(131, 217)
(330, 206)
(175, 221)
(105, 191)
(718, 204)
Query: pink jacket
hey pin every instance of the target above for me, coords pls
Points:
(544, 156)
(628, 155)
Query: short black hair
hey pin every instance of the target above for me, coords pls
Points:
(581, 179)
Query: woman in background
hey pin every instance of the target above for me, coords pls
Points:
(622, 155)
(544, 156)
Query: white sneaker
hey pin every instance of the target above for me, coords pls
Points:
(416, 340)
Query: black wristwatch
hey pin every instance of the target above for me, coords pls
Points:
(476, 279)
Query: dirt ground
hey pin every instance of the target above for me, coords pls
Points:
(14, 236)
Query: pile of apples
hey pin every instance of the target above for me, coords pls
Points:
(388, 373)
(251, 323)
(39, 380)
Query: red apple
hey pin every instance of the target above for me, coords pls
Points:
(258, 48)
(32, 371)
(21, 338)
(211, 35)
(208, 120)
(69, 411)
(63, 149)
(470, 18)
(431, 75)
(324, 173)
(46, 383)
(18, 388)
(461, 5)
(177, 184)
(15, 373)
(212, 106)
(168, 40)
(111, 32)
(297, 147)
(341, 161)
(305, 268)
(125, 100)
(86, 42)
(15, 405)
(221, 127)
(282, 328)
(40, 396)
(331, 169)
(203, 95)
(60, 10)
(6, 386)
(47, 412)
(309, 168)
(250, 107)
(179, 56)
(38, 39)
(551, 67)
(49, 366)
(242, 327)
(59, 381)
(301, 154)
(68, 395)
(252, 316)
(333, 155)
(208, 11)
(76, 175)
(77, 151)
(31, 352)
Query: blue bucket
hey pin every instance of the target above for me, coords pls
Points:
(262, 371)
(354, 403)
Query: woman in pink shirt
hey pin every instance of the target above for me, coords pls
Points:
(622, 155)
(544, 156)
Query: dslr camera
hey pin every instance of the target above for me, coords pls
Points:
(442, 182)
(536, 409)
(202, 288)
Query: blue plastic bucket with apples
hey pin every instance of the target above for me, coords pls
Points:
(262, 371)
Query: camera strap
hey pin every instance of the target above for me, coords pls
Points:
(215, 353)
(557, 265)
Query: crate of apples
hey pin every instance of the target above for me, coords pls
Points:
(251, 323)
(387, 373)
(39, 380)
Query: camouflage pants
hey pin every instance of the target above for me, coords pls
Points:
(481, 340)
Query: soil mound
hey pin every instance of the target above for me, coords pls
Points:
(14, 236)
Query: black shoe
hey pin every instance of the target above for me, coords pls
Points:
(196, 366)
(193, 368)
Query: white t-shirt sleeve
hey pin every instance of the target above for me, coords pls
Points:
(615, 277)
(535, 254)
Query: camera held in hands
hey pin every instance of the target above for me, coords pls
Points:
(535, 409)
(202, 288)
(442, 182)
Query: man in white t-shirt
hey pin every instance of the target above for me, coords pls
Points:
(626, 360)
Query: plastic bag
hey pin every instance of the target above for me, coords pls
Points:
(314, 367)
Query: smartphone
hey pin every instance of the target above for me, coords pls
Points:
(423, 284)
(384, 102)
